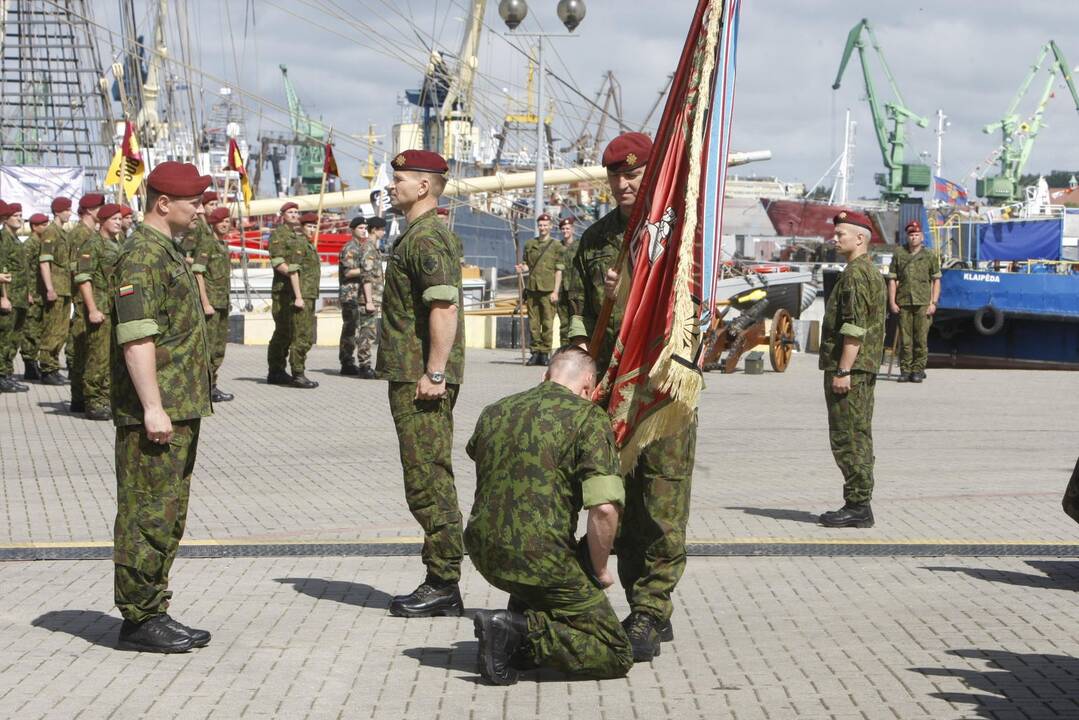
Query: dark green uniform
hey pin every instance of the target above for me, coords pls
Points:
(12, 324)
(651, 546)
(359, 328)
(425, 267)
(156, 297)
(212, 262)
(55, 250)
(566, 266)
(914, 274)
(303, 259)
(856, 308)
(35, 311)
(76, 339)
(283, 243)
(543, 256)
(95, 265)
(541, 456)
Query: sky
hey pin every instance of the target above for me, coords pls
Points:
(351, 59)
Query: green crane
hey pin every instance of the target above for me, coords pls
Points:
(309, 138)
(899, 175)
(1018, 134)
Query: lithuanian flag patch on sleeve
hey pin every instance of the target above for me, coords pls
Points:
(126, 290)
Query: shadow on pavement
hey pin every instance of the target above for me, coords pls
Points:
(256, 380)
(1056, 574)
(93, 626)
(778, 514)
(56, 408)
(1017, 684)
(349, 593)
(462, 657)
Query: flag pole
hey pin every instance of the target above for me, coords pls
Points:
(322, 190)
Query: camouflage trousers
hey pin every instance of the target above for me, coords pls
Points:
(571, 627)
(303, 335)
(31, 334)
(76, 351)
(217, 332)
(277, 351)
(425, 437)
(850, 432)
(651, 543)
(153, 483)
(359, 335)
(11, 331)
(57, 320)
(914, 337)
(563, 320)
(97, 368)
(540, 319)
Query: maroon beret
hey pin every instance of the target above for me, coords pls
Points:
(289, 206)
(209, 196)
(913, 226)
(544, 216)
(568, 220)
(309, 218)
(107, 211)
(217, 215)
(60, 204)
(89, 201)
(177, 179)
(853, 218)
(38, 219)
(627, 152)
(13, 208)
(125, 211)
(3, 209)
(421, 161)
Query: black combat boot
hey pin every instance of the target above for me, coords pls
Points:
(350, 369)
(278, 377)
(917, 377)
(544, 359)
(301, 381)
(219, 395)
(665, 631)
(903, 377)
(154, 635)
(52, 378)
(857, 515)
(76, 406)
(8, 384)
(366, 373)
(432, 598)
(199, 638)
(533, 359)
(643, 632)
(501, 634)
(99, 413)
(31, 371)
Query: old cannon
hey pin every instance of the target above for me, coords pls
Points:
(746, 331)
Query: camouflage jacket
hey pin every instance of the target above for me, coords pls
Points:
(13, 260)
(541, 455)
(855, 309)
(371, 262)
(156, 297)
(212, 262)
(597, 253)
(95, 264)
(914, 274)
(303, 259)
(424, 267)
(77, 237)
(350, 290)
(565, 264)
(281, 239)
(194, 237)
(542, 257)
(56, 250)
(31, 250)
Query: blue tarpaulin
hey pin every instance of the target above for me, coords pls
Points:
(1021, 240)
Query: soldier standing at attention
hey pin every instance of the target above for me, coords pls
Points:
(84, 232)
(93, 280)
(285, 288)
(364, 272)
(541, 456)
(852, 340)
(422, 356)
(35, 311)
(213, 272)
(542, 256)
(350, 288)
(305, 273)
(16, 303)
(53, 264)
(160, 393)
(127, 220)
(569, 251)
(651, 547)
(913, 291)
(376, 228)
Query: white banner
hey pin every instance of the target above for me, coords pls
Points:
(35, 187)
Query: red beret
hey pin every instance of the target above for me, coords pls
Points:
(289, 206)
(421, 161)
(544, 216)
(89, 201)
(3, 209)
(177, 179)
(13, 208)
(309, 218)
(209, 196)
(107, 211)
(913, 226)
(38, 219)
(627, 152)
(852, 218)
(125, 211)
(60, 204)
(568, 220)
(217, 215)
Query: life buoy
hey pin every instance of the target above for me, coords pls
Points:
(995, 317)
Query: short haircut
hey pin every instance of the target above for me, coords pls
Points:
(572, 361)
(151, 197)
(438, 183)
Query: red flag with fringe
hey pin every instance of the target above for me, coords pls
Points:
(329, 166)
(236, 164)
(653, 383)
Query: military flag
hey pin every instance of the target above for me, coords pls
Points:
(949, 192)
(236, 164)
(653, 384)
(127, 167)
(329, 166)
(381, 202)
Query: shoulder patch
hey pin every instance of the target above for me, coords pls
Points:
(429, 263)
(129, 304)
(86, 262)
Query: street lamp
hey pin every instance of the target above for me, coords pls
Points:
(513, 13)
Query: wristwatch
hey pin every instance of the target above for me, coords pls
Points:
(436, 377)
(840, 372)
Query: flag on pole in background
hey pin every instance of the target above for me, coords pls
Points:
(329, 166)
(236, 164)
(949, 192)
(653, 383)
(127, 167)
(382, 179)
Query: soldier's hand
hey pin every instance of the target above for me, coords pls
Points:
(97, 317)
(5, 305)
(894, 308)
(554, 296)
(5, 277)
(208, 311)
(841, 385)
(605, 578)
(931, 310)
(298, 303)
(51, 296)
(610, 283)
(369, 307)
(158, 426)
(427, 390)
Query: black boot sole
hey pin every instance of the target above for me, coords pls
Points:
(482, 630)
(401, 612)
(139, 647)
(863, 524)
(643, 655)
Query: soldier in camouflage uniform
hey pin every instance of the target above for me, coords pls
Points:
(84, 232)
(93, 280)
(542, 455)
(160, 393)
(305, 271)
(422, 356)
(127, 221)
(651, 546)
(852, 340)
(565, 266)
(913, 291)
(200, 230)
(284, 291)
(350, 289)
(213, 272)
(14, 288)
(53, 264)
(35, 313)
(361, 300)
(542, 257)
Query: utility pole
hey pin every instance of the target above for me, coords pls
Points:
(541, 135)
(942, 122)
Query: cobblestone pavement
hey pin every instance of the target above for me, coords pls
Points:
(966, 457)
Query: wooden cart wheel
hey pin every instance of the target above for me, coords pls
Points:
(781, 340)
